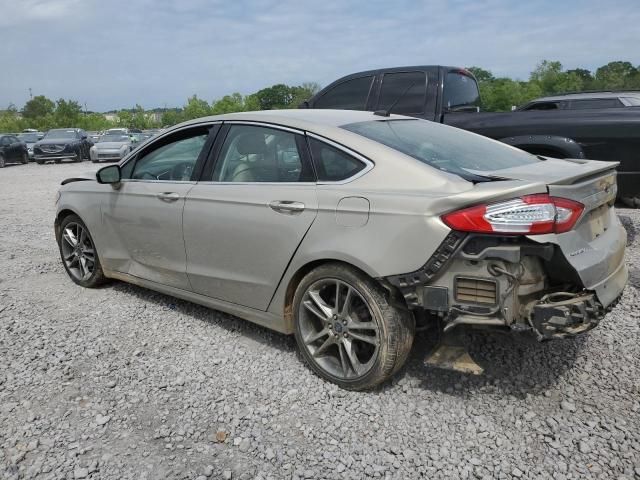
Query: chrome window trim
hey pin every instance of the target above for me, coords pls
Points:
(265, 125)
(368, 163)
(139, 180)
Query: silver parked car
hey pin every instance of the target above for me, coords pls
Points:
(112, 146)
(343, 227)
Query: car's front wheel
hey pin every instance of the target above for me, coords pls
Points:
(78, 253)
(346, 328)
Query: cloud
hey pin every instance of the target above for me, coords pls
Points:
(154, 52)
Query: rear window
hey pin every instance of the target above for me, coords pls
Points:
(349, 95)
(460, 90)
(445, 148)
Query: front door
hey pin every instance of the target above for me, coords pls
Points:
(143, 218)
(244, 222)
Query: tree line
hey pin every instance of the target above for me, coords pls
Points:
(43, 113)
(549, 78)
(498, 94)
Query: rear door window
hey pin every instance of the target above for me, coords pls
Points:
(407, 90)
(349, 95)
(332, 164)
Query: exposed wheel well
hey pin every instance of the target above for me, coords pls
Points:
(304, 270)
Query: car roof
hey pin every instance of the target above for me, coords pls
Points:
(302, 119)
(588, 95)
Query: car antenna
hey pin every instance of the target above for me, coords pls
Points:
(387, 112)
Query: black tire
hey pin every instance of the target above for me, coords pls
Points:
(24, 159)
(91, 279)
(394, 333)
(78, 158)
(40, 162)
(2, 161)
(57, 160)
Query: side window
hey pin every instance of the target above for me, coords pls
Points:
(332, 164)
(543, 106)
(259, 154)
(13, 140)
(408, 89)
(171, 159)
(349, 95)
(4, 141)
(595, 103)
(460, 90)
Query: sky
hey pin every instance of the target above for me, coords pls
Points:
(111, 54)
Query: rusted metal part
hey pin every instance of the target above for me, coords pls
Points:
(453, 358)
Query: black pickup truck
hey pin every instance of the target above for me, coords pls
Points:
(450, 95)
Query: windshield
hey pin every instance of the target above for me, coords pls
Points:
(29, 137)
(445, 148)
(65, 134)
(114, 137)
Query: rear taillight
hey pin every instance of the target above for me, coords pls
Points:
(531, 215)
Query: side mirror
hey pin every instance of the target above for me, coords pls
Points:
(110, 174)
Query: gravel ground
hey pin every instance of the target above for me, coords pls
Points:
(121, 382)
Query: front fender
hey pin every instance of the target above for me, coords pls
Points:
(568, 147)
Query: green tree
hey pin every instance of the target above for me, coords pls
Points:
(195, 108)
(302, 93)
(228, 104)
(139, 118)
(481, 74)
(68, 113)
(275, 97)
(617, 75)
(39, 106)
(171, 117)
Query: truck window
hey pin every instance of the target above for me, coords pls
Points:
(594, 103)
(460, 90)
(542, 106)
(349, 95)
(408, 89)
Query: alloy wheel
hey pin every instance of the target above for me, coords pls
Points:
(78, 252)
(338, 329)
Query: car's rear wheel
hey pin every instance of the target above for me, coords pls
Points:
(347, 330)
(25, 158)
(78, 253)
(2, 162)
(78, 158)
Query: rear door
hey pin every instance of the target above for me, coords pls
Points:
(245, 220)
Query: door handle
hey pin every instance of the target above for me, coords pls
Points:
(286, 206)
(168, 196)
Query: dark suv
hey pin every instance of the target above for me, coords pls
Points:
(12, 150)
(63, 144)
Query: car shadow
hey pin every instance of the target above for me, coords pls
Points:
(249, 330)
(513, 364)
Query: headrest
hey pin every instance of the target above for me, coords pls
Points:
(251, 142)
